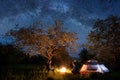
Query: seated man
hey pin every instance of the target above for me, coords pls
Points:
(75, 69)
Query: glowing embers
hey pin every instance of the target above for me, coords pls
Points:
(63, 70)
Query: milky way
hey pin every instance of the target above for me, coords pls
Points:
(77, 15)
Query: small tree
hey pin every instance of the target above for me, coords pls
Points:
(85, 55)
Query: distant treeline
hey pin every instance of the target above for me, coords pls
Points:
(10, 55)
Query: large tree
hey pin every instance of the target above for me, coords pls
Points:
(104, 39)
(44, 39)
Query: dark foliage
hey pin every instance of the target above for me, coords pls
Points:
(10, 55)
(85, 55)
(105, 40)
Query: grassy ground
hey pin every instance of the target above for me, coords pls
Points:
(93, 76)
(31, 72)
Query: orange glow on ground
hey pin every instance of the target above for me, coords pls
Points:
(63, 70)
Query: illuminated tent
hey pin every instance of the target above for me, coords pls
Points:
(93, 66)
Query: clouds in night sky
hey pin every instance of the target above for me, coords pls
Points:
(77, 15)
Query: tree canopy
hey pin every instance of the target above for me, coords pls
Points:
(104, 39)
(10, 55)
(85, 55)
(44, 39)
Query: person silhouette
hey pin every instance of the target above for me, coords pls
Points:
(75, 67)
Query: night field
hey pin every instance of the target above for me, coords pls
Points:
(59, 39)
(30, 72)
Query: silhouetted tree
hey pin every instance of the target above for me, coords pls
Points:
(9, 54)
(104, 39)
(85, 55)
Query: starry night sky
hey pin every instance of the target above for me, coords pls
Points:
(77, 15)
